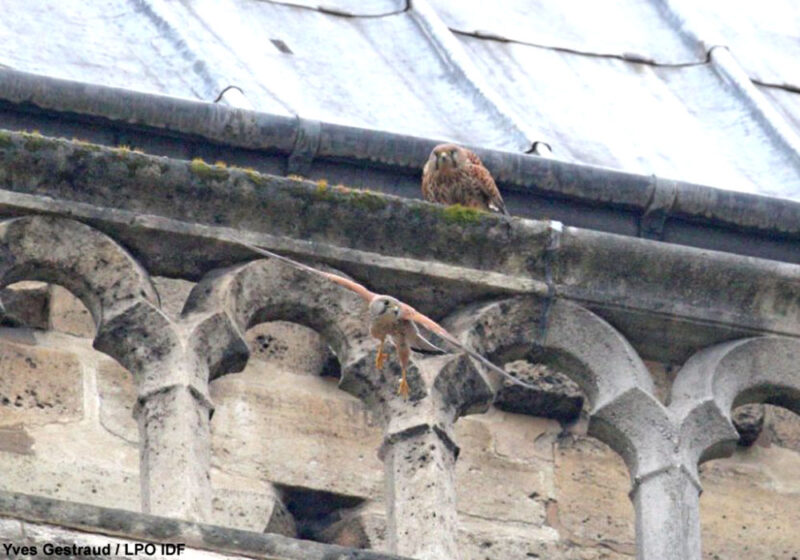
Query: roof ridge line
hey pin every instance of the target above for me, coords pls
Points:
(728, 68)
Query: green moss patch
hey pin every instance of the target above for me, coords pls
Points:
(202, 169)
(461, 215)
(5, 139)
(34, 141)
(368, 200)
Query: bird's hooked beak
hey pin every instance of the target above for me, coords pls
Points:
(382, 307)
(445, 160)
(392, 308)
(441, 159)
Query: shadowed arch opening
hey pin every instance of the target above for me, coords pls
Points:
(718, 379)
(109, 294)
(572, 340)
(585, 348)
(509, 333)
(265, 412)
(115, 289)
(266, 291)
(97, 270)
(709, 388)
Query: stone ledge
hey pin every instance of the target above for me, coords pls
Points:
(180, 219)
(153, 529)
(598, 196)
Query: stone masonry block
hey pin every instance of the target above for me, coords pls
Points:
(78, 479)
(247, 504)
(288, 345)
(172, 293)
(783, 428)
(25, 304)
(591, 504)
(38, 385)
(749, 505)
(117, 393)
(68, 314)
(296, 430)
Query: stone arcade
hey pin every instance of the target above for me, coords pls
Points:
(100, 222)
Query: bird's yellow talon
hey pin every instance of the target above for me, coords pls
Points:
(380, 357)
(403, 389)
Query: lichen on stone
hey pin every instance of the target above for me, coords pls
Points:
(202, 169)
(5, 139)
(322, 192)
(368, 199)
(462, 215)
(34, 141)
(85, 145)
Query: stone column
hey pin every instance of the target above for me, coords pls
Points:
(173, 363)
(706, 390)
(667, 504)
(418, 451)
(419, 469)
(172, 410)
(175, 453)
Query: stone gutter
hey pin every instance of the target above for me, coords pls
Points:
(578, 195)
(27, 520)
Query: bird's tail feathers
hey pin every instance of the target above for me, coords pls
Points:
(287, 260)
(424, 346)
(501, 371)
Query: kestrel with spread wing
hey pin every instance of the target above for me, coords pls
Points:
(389, 317)
(456, 175)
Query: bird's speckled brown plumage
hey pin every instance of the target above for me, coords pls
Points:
(455, 175)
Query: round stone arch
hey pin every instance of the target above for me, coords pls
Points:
(113, 286)
(575, 341)
(103, 275)
(269, 290)
(718, 379)
(131, 328)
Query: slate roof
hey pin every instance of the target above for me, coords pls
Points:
(634, 85)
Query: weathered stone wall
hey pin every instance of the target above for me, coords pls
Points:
(527, 487)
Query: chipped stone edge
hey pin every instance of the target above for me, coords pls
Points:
(149, 528)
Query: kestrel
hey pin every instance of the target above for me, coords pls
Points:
(389, 317)
(455, 175)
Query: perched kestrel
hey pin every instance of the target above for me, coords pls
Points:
(389, 317)
(455, 175)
